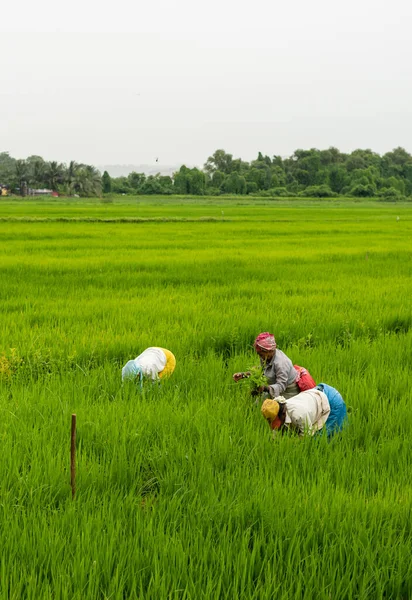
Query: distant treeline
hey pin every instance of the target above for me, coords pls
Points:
(312, 173)
(34, 173)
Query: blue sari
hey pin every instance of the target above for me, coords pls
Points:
(338, 413)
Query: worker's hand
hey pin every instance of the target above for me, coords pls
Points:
(263, 388)
(238, 376)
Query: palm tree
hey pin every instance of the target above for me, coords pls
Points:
(38, 172)
(70, 175)
(88, 181)
(54, 174)
(36, 169)
(21, 172)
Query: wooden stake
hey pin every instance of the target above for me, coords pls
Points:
(73, 457)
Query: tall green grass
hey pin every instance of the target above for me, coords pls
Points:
(181, 491)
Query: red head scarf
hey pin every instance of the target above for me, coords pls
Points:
(265, 341)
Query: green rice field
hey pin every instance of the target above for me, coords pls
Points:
(182, 493)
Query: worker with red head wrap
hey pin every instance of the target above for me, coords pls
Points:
(277, 367)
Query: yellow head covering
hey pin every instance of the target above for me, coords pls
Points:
(270, 409)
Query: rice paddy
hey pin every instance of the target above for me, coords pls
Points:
(181, 490)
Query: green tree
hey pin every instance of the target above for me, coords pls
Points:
(394, 182)
(277, 161)
(154, 184)
(391, 194)
(291, 183)
(88, 181)
(407, 169)
(197, 182)
(365, 176)
(258, 176)
(7, 169)
(181, 181)
(21, 175)
(69, 176)
(396, 163)
(274, 181)
(321, 177)
(219, 161)
(106, 183)
(303, 177)
(338, 178)
(239, 166)
(217, 179)
(54, 174)
(362, 159)
(121, 185)
(167, 182)
(235, 184)
(318, 191)
(363, 190)
(36, 170)
(330, 157)
(311, 164)
(136, 180)
(279, 172)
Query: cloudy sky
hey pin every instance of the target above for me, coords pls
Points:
(129, 82)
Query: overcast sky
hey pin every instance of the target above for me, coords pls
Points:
(129, 82)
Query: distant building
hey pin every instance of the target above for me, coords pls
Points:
(41, 192)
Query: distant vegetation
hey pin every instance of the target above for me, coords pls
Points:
(307, 173)
(21, 176)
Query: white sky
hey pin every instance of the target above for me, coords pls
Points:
(126, 82)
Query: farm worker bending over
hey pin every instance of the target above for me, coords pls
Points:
(277, 368)
(153, 362)
(309, 412)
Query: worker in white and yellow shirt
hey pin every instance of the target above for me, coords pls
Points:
(154, 363)
(309, 412)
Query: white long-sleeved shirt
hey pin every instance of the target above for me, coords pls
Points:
(308, 411)
(152, 361)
